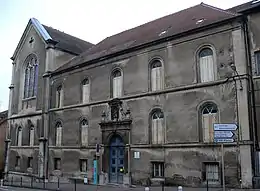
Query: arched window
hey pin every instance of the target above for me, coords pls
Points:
(84, 132)
(59, 97)
(209, 116)
(157, 124)
(117, 83)
(58, 134)
(156, 75)
(206, 65)
(85, 91)
(31, 136)
(19, 136)
(30, 76)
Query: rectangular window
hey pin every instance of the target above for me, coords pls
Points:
(158, 169)
(58, 136)
(31, 136)
(156, 78)
(59, 97)
(19, 137)
(85, 93)
(257, 62)
(17, 161)
(83, 165)
(157, 131)
(57, 163)
(211, 172)
(208, 121)
(117, 87)
(207, 69)
(29, 164)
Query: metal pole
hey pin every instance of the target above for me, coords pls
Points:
(223, 166)
(207, 185)
(75, 185)
(21, 181)
(58, 183)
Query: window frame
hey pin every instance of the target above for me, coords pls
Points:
(198, 69)
(30, 76)
(85, 82)
(161, 169)
(81, 131)
(55, 163)
(151, 63)
(17, 161)
(152, 113)
(204, 172)
(257, 65)
(19, 136)
(30, 162)
(58, 124)
(81, 165)
(117, 69)
(59, 93)
(200, 119)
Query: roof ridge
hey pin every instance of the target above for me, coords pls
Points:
(219, 9)
(66, 33)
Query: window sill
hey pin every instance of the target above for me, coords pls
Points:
(29, 98)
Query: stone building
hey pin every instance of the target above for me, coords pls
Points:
(146, 99)
(3, 128)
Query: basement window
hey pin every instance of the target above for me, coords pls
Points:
(257, 63)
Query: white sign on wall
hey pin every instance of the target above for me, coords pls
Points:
(136, 154)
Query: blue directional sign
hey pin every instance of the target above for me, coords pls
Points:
(220, 134)
(223, 140)
(225, 127)
(223, 133)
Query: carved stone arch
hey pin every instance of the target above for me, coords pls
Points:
(113, 134)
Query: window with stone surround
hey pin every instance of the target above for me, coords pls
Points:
(206, 65)
(117, 83)
(31, 136)
(156, 75)
(157, 127)
(19, 136)
(209, 116)
(59, 97)
(85, 91)
(83, 165)
(84, 132)
(57, 164)
(30, 76)
(157, 169)
(58, 134)
(257, 63)
(211, 172)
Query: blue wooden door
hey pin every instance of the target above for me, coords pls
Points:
(116, 160)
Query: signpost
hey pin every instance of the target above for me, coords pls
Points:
(223, 133)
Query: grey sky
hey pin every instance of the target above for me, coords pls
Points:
(91, 20)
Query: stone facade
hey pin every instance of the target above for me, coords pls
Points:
(158, 134)
(3, 128)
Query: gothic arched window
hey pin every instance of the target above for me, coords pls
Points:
(30, 76)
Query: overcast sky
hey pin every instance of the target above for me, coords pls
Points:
(91, 20)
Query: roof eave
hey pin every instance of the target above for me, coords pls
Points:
(40, 29)
(145, 45)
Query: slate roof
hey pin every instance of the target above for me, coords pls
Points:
(171, 25)
(245, 6)
(67, 42)
(60, 40)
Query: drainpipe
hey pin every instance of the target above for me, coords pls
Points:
(254, 133)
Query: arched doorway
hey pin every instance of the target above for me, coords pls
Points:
(116, 159)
